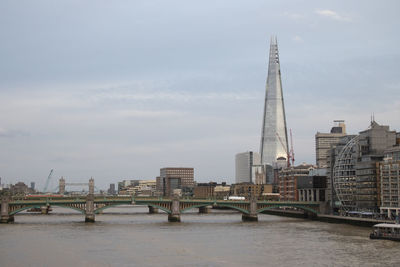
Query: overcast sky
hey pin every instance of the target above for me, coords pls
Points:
(119, 89)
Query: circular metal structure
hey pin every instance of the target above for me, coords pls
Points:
(344, 175)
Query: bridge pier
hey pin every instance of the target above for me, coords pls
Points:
(205, 210)
(175, 215)
(45, 209)
(252, 215)
(153, 210)
(249, 217)
(89, 212)
(5, 218)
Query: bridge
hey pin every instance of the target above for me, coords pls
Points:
(91, 205)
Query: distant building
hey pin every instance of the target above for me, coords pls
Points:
(324, 141)
(204, 190)
(211, 190)
(389, 182)
(111, 190)
(137, 187)
(248, 168)
(248, 190)
(33, 186)
(61, 186)
(222, 191)
(175, 178)
(20, 188)
(288, 180)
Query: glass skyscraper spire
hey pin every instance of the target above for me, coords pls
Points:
(274, 141)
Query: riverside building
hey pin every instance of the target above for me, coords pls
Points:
(389, 182)
(288, 180)
(354, 174)
(324, 141)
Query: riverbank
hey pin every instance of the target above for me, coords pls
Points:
(364, 222)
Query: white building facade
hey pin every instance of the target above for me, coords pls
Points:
(246, 167)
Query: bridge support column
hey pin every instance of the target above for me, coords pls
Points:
(175, 215)
(153, 210)
(89, 214)
(5, 218)
(205, 209)
(252, 215)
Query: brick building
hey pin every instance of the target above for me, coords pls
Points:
(175, 178)
(288, 181)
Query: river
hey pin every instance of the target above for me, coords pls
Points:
(128, 236)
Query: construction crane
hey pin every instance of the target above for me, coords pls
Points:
(290, 153)
(47, 182)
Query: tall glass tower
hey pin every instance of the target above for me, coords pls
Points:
(274, 141)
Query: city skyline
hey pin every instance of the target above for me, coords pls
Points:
(120, 91)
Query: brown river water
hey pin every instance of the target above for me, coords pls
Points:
(128, 236)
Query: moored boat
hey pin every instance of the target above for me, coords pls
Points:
(386, 231)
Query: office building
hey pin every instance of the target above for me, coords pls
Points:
(288, 181)
(172, 178)
(248, 168)
(324, 141)
(211, 190)
(389, 182)
(111, 190)
(354, 173)
(274, 141)
(248, 190)
(311, 188)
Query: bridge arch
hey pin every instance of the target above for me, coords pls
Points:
(97, 211)
(38, 206)
(233, 207)
(196, 206)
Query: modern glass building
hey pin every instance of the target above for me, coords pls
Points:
(274, 141)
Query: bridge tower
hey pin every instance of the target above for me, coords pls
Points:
(91, 186)
(89, 212)
(61, 186)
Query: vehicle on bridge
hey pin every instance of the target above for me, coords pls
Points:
(234, 198)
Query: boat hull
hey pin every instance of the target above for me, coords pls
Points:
(372, 236)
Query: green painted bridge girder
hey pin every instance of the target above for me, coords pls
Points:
(38, 206)
(116, 203)
(281, 206)
(67, 202)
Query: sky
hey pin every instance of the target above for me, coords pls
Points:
(119, 89)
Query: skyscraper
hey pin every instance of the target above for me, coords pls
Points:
(274, 144)
(244, 163)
